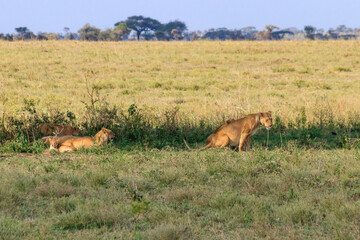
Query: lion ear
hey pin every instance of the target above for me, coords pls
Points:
(270, 112)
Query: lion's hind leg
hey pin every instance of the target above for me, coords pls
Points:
(221, 141)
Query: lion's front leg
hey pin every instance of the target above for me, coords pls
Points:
(243, 139)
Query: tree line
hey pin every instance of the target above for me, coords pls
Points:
(149, 29)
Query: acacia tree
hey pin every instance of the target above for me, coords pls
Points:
(141, 24)
(69, 35)
(342, 29)
(105, 35)
(22, 31)
(249, 32)
(89, 33)
(309, 32)
(270, 28)
(267, 33)
(171, 30)
(119, 31)
(219, 33)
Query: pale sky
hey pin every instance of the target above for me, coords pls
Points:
(54, 15)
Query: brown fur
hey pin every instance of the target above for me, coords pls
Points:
(57, 129)
(71, 143)
(222, 126)
(217, 130)
(52, 139)
(237, 133)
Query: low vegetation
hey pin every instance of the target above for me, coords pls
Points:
(172, 194)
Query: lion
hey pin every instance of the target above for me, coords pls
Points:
(57, 129)
(72, 143)
(51, 139)
(237, 133)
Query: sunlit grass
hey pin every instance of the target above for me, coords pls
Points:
(201, 78)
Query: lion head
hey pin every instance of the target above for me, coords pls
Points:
(266, 119)
(74, 131)
(104, 135)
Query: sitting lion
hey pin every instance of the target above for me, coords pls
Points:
(237, 133)
(72, 143)
(59, 130)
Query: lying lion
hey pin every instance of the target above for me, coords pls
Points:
(57, 129)
(237, 133)
(52, 139)
(72, 143)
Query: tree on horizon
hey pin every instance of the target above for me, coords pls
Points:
(89, 33)
(22, 31)
(171, 30)
(309, 32)
(141, 24)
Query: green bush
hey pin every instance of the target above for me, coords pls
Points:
(138, 128)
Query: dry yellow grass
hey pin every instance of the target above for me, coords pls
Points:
(201, 78)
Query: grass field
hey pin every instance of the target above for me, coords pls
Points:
(169, 194)
(302, 181)
(201, 78)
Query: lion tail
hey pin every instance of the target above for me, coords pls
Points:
(199, 149)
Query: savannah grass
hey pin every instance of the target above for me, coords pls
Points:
(300, 181)
(171, 194)
(203, 79)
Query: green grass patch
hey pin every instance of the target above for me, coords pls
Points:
(172, 194)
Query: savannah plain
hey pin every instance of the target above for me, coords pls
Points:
(300, 180)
